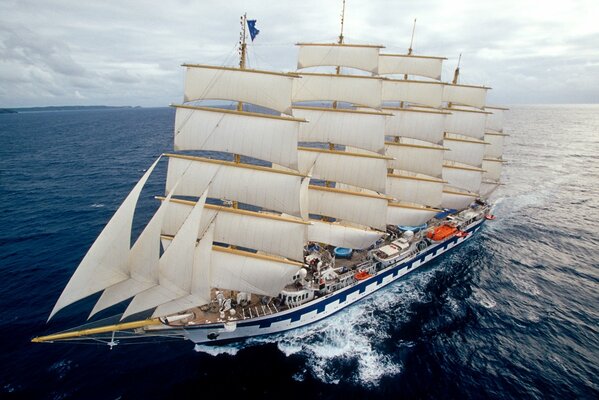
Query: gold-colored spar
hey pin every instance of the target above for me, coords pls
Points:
(416, 81)
(453, 109)
(237, 211)
(417, 178)
(380, 78)
(470, 86)
(413, 207)
(495, 160)
(497, 108)
(467, 194)
(412, 56)
(344, 153)
(95, 331)
(233, 164)
(431, 111)
(469, 140)
(257, 71)
(246, 253)
(378, 46)
(419, 146)
(465, 168)
(341, 110)
(236, 112)
(343, 191)
(497, 134)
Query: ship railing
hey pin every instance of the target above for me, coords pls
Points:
(255, 311)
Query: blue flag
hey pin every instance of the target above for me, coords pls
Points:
(253, 31)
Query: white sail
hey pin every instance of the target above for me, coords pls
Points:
(200, 281)
(143, 263)
(469, 123)
(359, 208)
(362, 170)
(175, 267)
(409, 214)
(457, 199)
(336, 234)
(494, 147)
(487, 188)
(364, 57)
(416, 156)
(355, 89)
(464, 149)
(410, 187)
(429, 67)
(262, 136)
(263, 88)
(495, 119)
(417, 123)
(106, 262)
(361, 129)
(249, 272)
(462, 176)
(492, 167)
(419, 92)
(468, 95)
(260, 186)
(271, 233)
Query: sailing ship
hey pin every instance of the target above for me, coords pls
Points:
(332, 182)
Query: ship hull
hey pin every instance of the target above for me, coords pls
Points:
(325, 306)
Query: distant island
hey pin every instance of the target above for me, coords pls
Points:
(59, 108)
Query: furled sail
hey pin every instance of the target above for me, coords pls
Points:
(419, 92)
(263, 88)
(175, 267)
(416, 156)
(462, 176)
(426, 66)
(355, 89)
(467, 95)
(417, 123)
(337, 234)
(271, 233)
(263, 136)
(364, 57)
(409, 214)
(466, 122)
(361, 129)
(357, 169)
(106, 262)
(406, 186)
(464, 149)
(265, 187)
(250, 272)
(360, 208)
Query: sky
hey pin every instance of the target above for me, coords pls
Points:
(129, 52)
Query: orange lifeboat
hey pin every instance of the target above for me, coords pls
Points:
(362, 275)
(441, 232)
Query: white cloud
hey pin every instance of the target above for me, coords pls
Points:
(128, 52)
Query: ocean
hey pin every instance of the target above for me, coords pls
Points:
(514, 313)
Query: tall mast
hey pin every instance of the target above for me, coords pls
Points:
(456, 74)
(338, 71)
(242, 50)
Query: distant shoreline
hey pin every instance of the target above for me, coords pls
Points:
(60, 108)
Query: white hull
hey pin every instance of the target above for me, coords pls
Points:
(323, 307)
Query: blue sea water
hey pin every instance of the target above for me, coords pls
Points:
(514, 313)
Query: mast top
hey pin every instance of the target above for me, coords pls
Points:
(456, 74)
(412, 39)
(342, 20)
